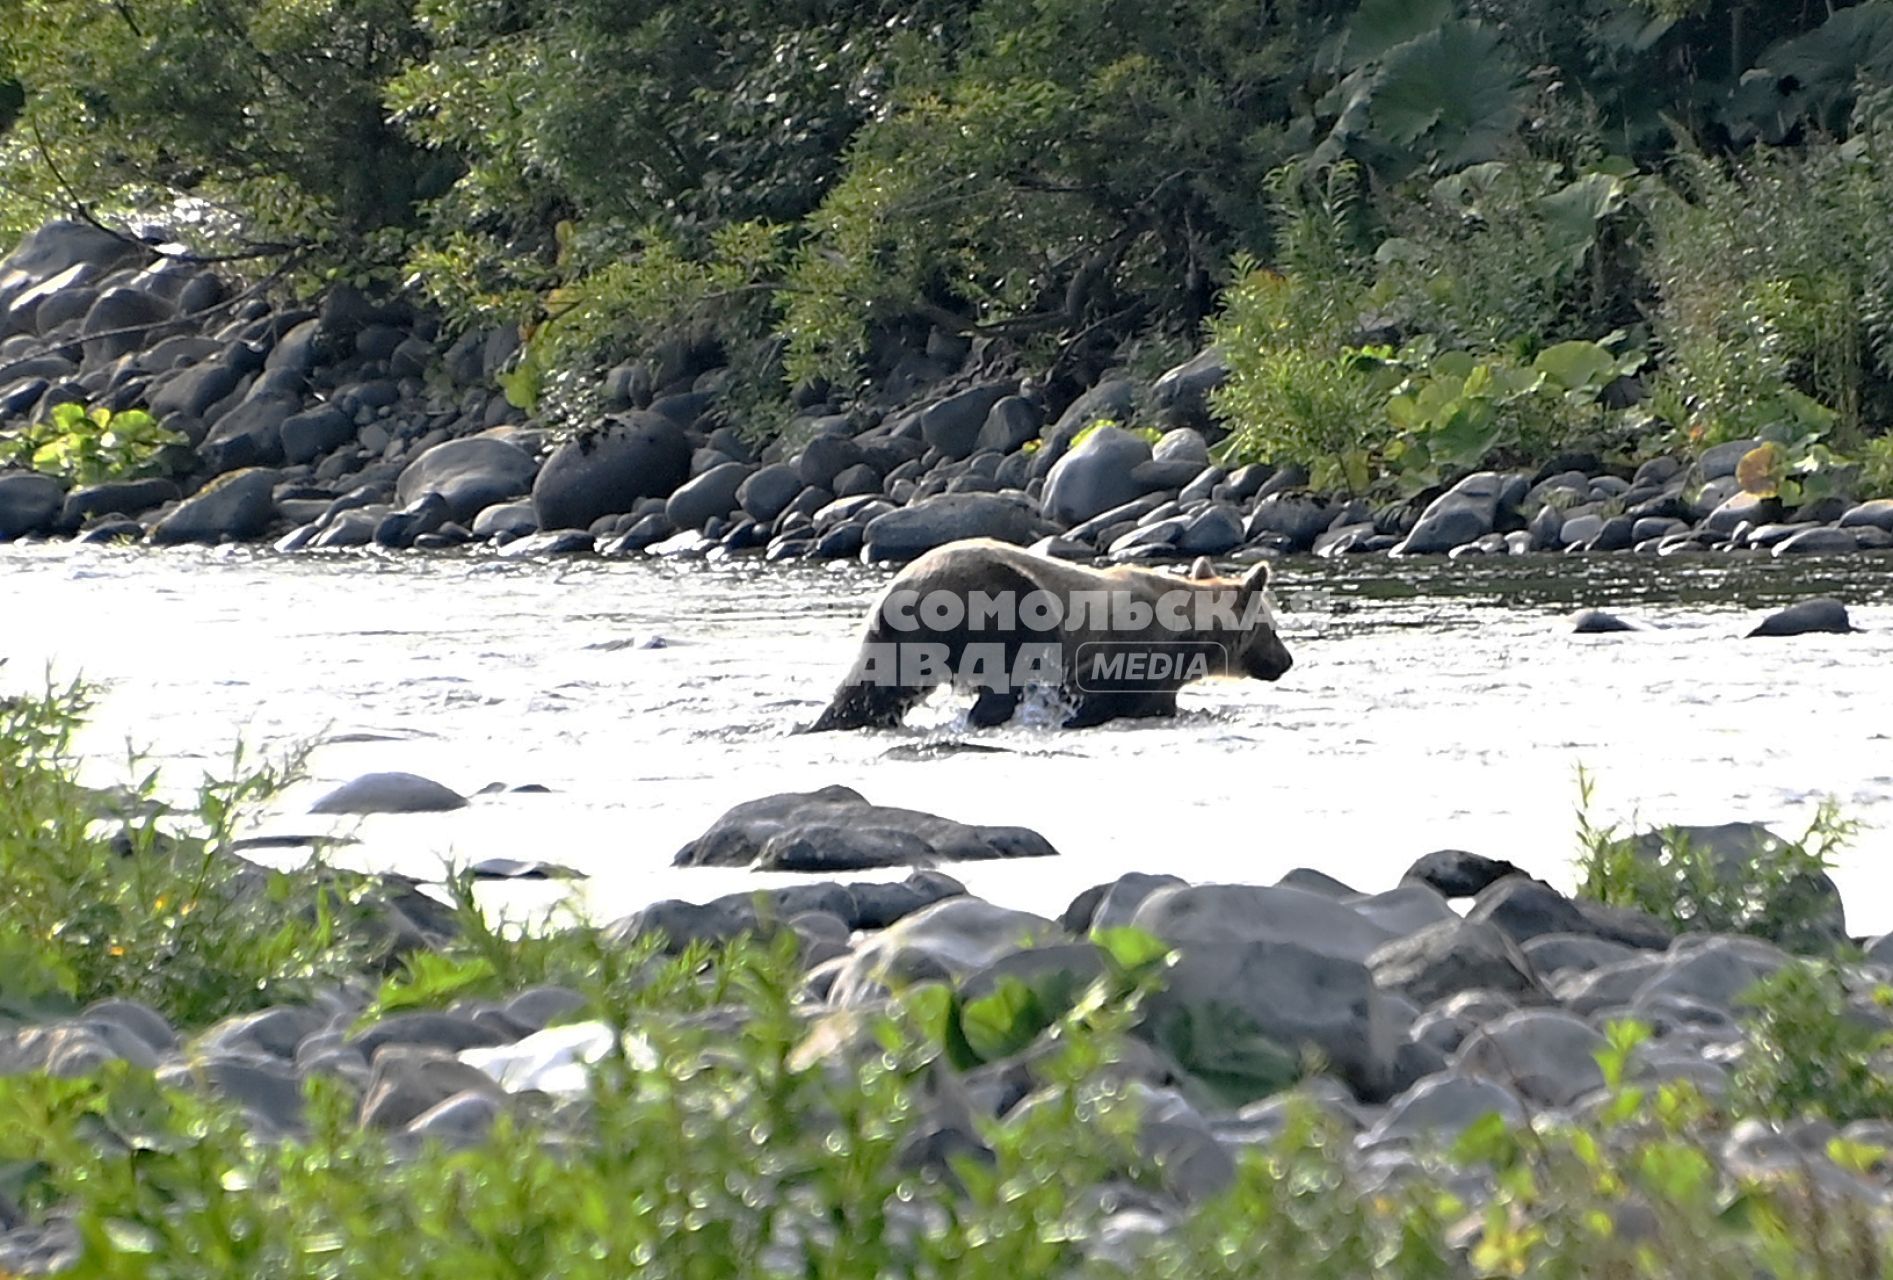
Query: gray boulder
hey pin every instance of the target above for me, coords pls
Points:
(29, 504)
(269, 1093)
(308, 435)
(471, 474)
(1455, 873)
(767, 493)
(1720, 461)
(1742, 508)
(638, 455)
(1563, 953)
(1453, 956)
(118, 497)
(1819, 541)
(390, 793)
(66, 1050)
(1182, 395)
(933, 522)
(1095, 476)
(406, 1086)
(1465, 513)
(1545, 1056)
(1258, 913)
(1010, 424)
(1113, 905)
(1808, 907)
(238, 505)
(1524, 908)
(1596, 622)
(1877, 514)
(1215, 531)
(1295, 517)
(953, 425)
(1245, 1017)
(249, 435)
(951, 939)
(1442, 1106)
(708, 496)
(60, 245)
(1806, 617)
(1182, 445)
(192, 391)
(457, 1122)
(514, 519)
(399, 530)
(838, 829)
(825, 457)
(120, 322)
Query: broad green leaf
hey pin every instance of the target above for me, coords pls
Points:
(1465, 438)
(1132, 949)
(1454, 87)
(1005, 1022)
(1572, 214)
(1380, 25)
(1454, 364)
(1577, 365)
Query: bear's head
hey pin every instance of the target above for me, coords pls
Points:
(1256, 651)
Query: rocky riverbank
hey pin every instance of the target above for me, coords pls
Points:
(352, 423)
(1383, 1042)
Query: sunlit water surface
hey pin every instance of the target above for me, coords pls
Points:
(1431, 705)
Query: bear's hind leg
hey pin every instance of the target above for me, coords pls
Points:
(864, 706)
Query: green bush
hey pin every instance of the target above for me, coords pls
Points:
(1772, 285)
(82, 447)
(1782, 893)
(1812, 1050)
(116, 895)
(1507, 256)
(270, 110)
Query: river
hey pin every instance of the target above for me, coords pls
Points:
(1432, 705)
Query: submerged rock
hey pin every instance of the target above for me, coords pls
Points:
(1594, 622)
(1806, 617)
(836, 828)
(390, 793)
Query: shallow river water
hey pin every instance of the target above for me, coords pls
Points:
(1431, 705)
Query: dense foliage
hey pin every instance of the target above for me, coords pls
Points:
(1391, 211)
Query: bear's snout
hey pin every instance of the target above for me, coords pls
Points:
(1268, 658)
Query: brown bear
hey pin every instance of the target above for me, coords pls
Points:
(1115, 643)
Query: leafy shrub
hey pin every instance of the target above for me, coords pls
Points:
(82, 447)
(1768, 299)
(1876, 473)
(271, 109)
(116, 895)
(1792, 462)
(1301, 388)
(1812, 1050)
(1509, 255)
(1781, 894)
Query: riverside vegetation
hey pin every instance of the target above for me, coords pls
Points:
(303, 1088)
(1422, 239)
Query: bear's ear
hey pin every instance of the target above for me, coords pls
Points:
(1202, 568)
(1257, 578)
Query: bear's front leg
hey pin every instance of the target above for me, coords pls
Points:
(993, 708)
